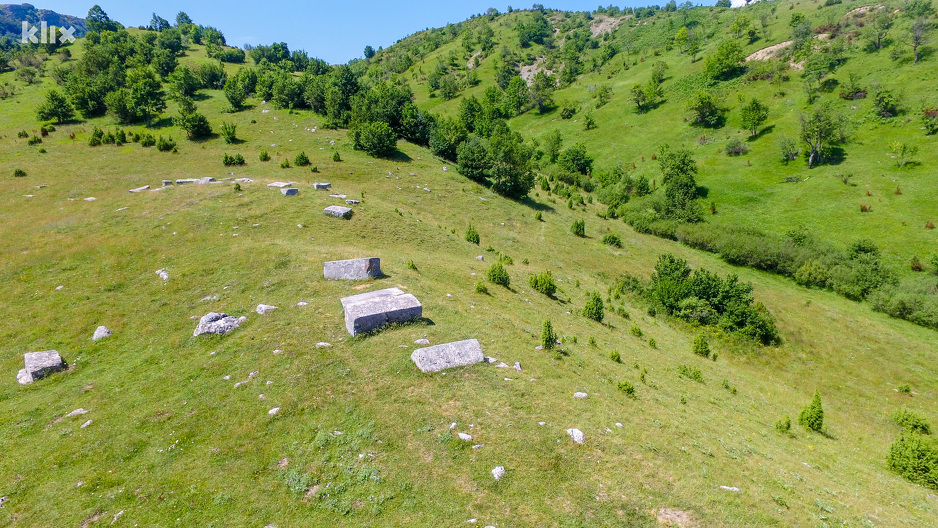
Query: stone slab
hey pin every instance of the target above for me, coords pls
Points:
(338, 211)
(39, 365)
(185, 180)
(353, 269)
(372, 310)
(447, 355)
(320, 185)
(280, 185)
(139, 189)
(217, 323)
(289, 191)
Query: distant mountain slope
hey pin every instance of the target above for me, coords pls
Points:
(13, 15)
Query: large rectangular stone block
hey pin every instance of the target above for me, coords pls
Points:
(372, 310)
(354, 269)
(447, 355)
(338, 211)
(39, 365)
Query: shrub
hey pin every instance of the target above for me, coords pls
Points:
(472, 236)
(627, 388)
(481, 288)
(904, 389)
(19, 173)
(314, 168)
(614, 355)
(376, 138)
(35, 140)
(789, 149)
(285, 164)
(916, 264)
(237, 187)
(691, 373)
(567, 112)
(579, 228)
(594, 308)
(264, 156)
(652, 343)
(237, 159)
(165, 144)
(548, 337)
(612, 239)
(411, 266)
(783, 425)
(120, 137)
(736, 148)
(147, 140)
(22, 134)
(635, 330)
(701, 347)
(812, 416)
(335, 157)
(301, 160)
(930, 120)
(543, 283)
(228, 132)
(498, 275)
(911, 422)
(915, 457)
(538, 216)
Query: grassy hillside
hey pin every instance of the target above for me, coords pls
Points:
(362, 437)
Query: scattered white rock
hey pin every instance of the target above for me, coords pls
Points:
(88, 199)
(253, 373)
(580, 395)
(541, 423)
(422, 342)
(86, 424)
(210, 298)
(76, 412)
(518, 366)
(140, 189)
(464, 437)
(498, 472)
(618, 424)
(730, 488)
(226, 378)
(217, 323)
(280, 185)
(264, 308)
(3, 500)
(302, 303)
(577, 435)
(478, 446)
(100, 333)
(57, 288)
(163, 274)
(445, 169)
(323, 344)
(452, 426)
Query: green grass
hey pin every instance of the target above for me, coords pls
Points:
(174, 444)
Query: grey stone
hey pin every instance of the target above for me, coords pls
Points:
(480, 257)
(498, 472)
(323, 344)
(352, 202)
(100, 333)
(372, 310)
(217, 323)
(3, 500)
(39, 365)
(319, 185)
(86, 424)
(734, 489)
(353, 269)
(88, 199)
(342, 196)
(447, 355)
(163, 274)
(140, 189)
(203, 181)
(182, 181)
(289, 192)
(280, 185)
(264, 308)
(464, 437)
(580, 395)
(274, 411)
(577, 435)
(244, 180)
(167, 183)
(76, 412)
(518, 366)
(422, 342)
(338, 211)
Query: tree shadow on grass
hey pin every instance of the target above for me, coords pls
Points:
(763, 132)
(398, 156)
(534, 204)
(162, 122)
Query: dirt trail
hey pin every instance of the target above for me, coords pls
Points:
(769, 52)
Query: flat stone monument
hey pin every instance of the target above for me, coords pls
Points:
(289, 191)
(39, 365)
(372, 310)
(447, 355)
(354, 269)
(320, 185)
(338, 211)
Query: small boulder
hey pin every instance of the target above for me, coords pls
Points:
(163, 274)
(217, 323)
(280, 185)
(264, 308)
(323, 344)
(140, 189)
(464, 437)
(167, 183)
(275, 411)
(422, 342)
(289, 191)
(498, 472)
(580, 395)
(100, 333)
(352, 269)
(352, 202)
(447, 355)
(577, 435)
(320, 185)
(480, 257)
(203, 181)
(39, 365)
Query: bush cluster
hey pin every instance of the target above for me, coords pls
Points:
(229, 161)
(498, 275)
(543, 283)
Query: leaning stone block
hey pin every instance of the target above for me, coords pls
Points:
(447, 355)
(185, 180)
(39, 365)
(354, 269)
(140, 189)
(372, 310)
(289, 191)
(338, 211)
(280, 185)
(319, 185)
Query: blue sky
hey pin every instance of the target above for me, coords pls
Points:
(335, 31)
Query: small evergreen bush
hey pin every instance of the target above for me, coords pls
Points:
(911, 422)
(783, 425)
(701, 347)
(915, 457)
(614, 356)
(812, 416)
(472, 236)
(627, 388)
(147, 140)
(301, 160)
(264, 156)
(498, 275)
(481, 288)
(548, 337)
(19, 173)
(285, 164)
(35, 140)
(237, 159)
(165, 144)
(612, 239)
(579, 228)
(543, 283)
(635, 330)
(335, 157)
(594, 308)
(689, 372)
